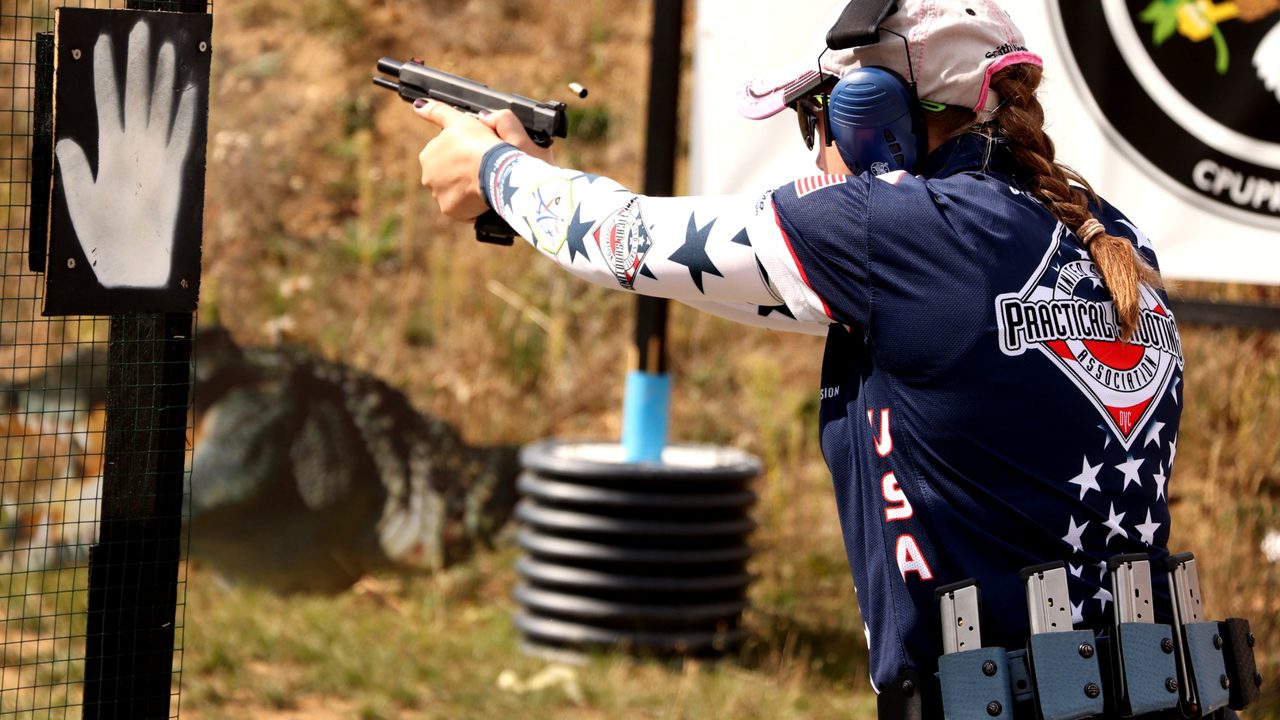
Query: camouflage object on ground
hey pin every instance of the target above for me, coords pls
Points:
(51, 467)
(305, 475)
(308, 474)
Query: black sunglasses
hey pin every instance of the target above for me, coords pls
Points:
(810, 111)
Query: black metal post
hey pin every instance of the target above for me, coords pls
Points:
(659, 163)
(133, 570)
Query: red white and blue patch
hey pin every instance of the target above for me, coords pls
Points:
(1064, 312)
(814, 183)
(624, 242)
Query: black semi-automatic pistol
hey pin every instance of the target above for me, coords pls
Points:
(542, 120)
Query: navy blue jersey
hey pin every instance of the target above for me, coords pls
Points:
(978, 413)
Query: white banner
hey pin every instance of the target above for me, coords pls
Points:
(1171, 110)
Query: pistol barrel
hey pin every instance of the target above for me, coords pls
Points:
(543, 120)
(390, 66)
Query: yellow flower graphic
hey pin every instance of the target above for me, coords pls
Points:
(1198, 20)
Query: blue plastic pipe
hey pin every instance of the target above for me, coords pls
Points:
(645, 416)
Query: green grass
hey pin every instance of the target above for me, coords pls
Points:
(43, 625)
(444, 646)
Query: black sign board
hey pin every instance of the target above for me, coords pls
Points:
(130, 127)
(1193, 92)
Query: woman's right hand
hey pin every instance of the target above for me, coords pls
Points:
(451, 160)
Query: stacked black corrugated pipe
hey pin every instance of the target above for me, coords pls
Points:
(645, 557)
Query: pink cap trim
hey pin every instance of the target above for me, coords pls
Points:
(1016, 58)
(759, 107)
(755, 104)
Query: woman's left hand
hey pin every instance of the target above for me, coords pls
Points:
(451, 161)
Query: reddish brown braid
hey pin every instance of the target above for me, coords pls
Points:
(1020, 119)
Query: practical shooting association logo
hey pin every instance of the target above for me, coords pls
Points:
(1192, 87)
(1065, 313)
(624, 241)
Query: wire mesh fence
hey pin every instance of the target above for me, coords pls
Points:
(95, 423)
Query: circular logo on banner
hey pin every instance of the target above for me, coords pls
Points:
(1192, 87)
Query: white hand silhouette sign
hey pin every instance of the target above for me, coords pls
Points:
(125, 218)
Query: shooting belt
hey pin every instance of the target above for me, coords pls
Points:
(1134, 668)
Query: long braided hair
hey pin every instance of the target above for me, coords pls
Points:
(1020, 120)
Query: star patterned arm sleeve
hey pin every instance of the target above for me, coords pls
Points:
(723, 254)
(771, 317)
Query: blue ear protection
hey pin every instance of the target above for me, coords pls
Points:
(875, 121)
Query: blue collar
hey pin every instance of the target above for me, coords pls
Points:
(970, 152)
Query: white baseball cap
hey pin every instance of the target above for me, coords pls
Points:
(955, 46)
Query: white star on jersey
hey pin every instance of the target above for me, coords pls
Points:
(1130, 470)
(1160, 481)
(1088, 477)
(1153, 435)
(1142, 239)
(1113, 522)
(1074, 533)
(1147, 530)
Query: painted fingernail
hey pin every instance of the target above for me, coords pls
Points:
(420, 103)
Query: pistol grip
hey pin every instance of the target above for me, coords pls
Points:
(491, 228)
